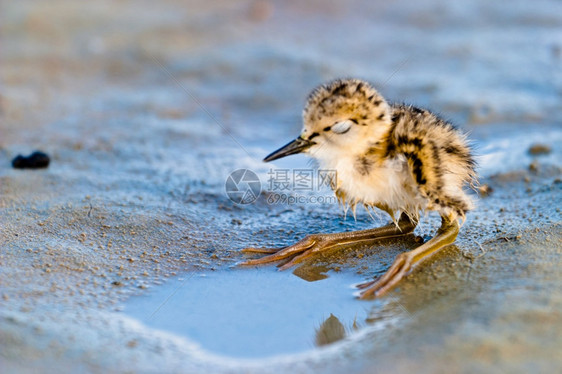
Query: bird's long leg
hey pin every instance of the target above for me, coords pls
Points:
(315, 243)
(408, 261)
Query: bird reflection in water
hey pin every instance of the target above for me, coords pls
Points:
(332, 330)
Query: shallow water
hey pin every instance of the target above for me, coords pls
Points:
(261, 312)
(250, 313)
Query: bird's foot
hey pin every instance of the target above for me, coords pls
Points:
(310, 245)
(399, 269)
(408, 261)
(313, 244)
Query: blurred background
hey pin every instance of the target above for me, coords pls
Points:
(146, 107)
(250, 64)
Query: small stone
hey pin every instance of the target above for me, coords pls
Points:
(36, 160)
(539, 149)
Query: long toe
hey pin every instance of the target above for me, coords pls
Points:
(279, 254)
(261, 250)
(296, 260)
(264, 260)
(362, 286)
(393, 275)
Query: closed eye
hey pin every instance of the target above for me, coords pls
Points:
(342, 127)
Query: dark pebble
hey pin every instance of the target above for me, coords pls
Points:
(37, 160)
(539, 149)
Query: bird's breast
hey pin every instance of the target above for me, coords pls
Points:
(377, 183)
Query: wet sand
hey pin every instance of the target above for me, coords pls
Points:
(146, 108)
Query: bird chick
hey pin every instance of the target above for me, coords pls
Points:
(398, 158)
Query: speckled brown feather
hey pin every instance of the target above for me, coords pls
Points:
(438, 158)
(432, 147)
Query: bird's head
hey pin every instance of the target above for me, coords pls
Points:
(342, 116)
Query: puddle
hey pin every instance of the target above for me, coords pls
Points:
(252, 313)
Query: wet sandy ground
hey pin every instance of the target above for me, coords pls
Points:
(114, 92)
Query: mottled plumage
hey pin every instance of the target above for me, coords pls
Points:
(398, 158)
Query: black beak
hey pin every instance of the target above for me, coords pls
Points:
(296, 146)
